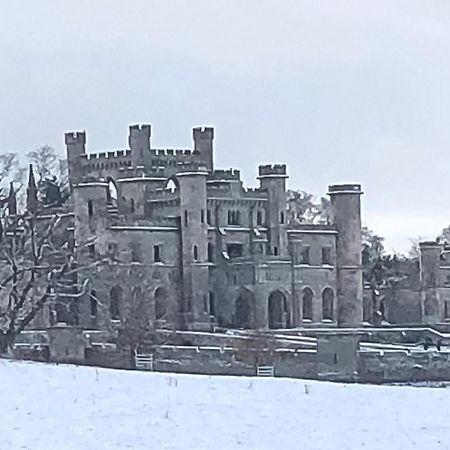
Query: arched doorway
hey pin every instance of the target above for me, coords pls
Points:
(243, 305)
(115, 302)
(277, 310)
(307, 306)
(111, 193)
(327, 303)
(160, 303)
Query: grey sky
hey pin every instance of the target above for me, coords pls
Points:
(339, 90)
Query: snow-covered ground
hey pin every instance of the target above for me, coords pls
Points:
(68, 407)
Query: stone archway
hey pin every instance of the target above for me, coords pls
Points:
(243, 310)
(277, 310)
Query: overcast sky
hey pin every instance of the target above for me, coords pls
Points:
(339, 90)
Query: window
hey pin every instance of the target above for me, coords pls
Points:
(304, 259)
(212, 304)
(259, 218)
(202, 216)
(447, 310)
(90, 207)
(327, 304)
(326, 255)
(112, 249)
(208, 217)
(93, 303)
(185, 218)
(157, 253)
(91, 248)
(195, 253)
(210, 252)
(132, 206)
(307, 307)
(282, 217)
(234, 250)
(275, 251)
(233, 217)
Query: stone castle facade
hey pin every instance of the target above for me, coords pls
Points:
(199, 249)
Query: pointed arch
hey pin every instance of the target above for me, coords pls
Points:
(327, 304)
(307, 303)
(277, 309)
(243, 309)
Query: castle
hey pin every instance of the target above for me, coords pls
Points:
(200, 249)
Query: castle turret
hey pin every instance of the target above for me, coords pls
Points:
(346, 218)
(139, 142)
(203, 144)
(75, 148)
(273, 180)
(194, 253)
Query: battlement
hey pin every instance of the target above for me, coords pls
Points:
(344, 189)
(203, 133)
(106, 155)
(75, 137)
(141, 128)
(170, 152)
(228, 175)
(272, 170)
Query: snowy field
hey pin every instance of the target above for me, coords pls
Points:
(64, 407)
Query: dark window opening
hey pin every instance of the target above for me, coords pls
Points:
(115, 298)
(195, 253)
(275, 251)
(210, 252)
(93, 303)
(91, 248)
(327, 303)
(305, 256)
(326, 255)
(157, 253)
(307, 307)
(132, 205)
(233, 217)
(447, 310)
(90, 206)
(202, 216)
(259, 218)
(208, 217)
(234, 250)
(281, 217)
(185, 218)
(212, 305)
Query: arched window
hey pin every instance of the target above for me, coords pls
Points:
(160, 303)
(195, 253)
(277, 310)
(115, 300)
(307, 307)
(327, 304)
(210, 252)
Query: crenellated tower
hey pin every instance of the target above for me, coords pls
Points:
(203, 144)
(76, 149)
(273, 180)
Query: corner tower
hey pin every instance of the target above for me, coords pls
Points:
(75, 148)
(203, 144)
(346, 218)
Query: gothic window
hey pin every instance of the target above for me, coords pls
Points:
(307, 307)
(233, 217)
(327, 304)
